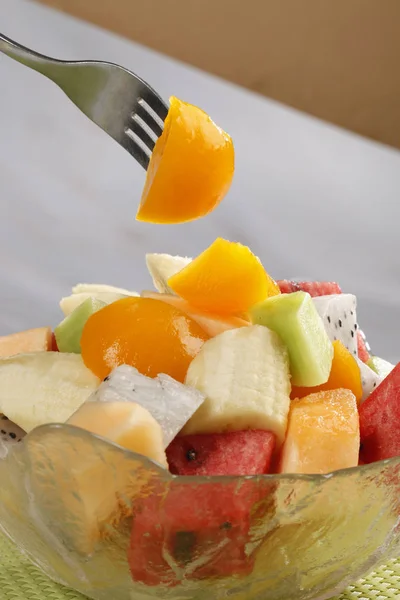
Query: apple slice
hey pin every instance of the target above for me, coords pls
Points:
(43, 387)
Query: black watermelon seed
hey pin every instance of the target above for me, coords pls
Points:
(375, 384)
(340, 323)
(226, 525)
(355, 325)
(12, 435)
(355, 352)
(351, 312)
(191, 454)
(352, 333)
(329, 319)
(106, 378)
(184, 546)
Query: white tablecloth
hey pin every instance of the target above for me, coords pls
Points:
(311, 200)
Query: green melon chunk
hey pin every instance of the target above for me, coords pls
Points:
(381, 366)
(295, 319)
(69, 332)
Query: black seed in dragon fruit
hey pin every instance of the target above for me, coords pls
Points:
(338, 312)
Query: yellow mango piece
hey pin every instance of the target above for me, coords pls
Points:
(226, 279)
(345, 373)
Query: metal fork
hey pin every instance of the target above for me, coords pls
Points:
(116, 99)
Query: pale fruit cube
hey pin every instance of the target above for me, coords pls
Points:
(244, 375)
(100, 288)
(323, 433)
(43, 387)
(171, 403)
(163, 266)
(71, 303)
(32, 340)
(125, 423)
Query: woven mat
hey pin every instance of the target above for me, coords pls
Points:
(19, 580)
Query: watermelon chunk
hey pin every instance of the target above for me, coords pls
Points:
(232, 453)
(380, 420)
(197, 531)
(314, 288)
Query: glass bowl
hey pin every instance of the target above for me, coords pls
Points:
(112, 524)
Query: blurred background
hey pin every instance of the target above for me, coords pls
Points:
(309, 92)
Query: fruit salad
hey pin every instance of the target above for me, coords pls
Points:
(207, 378)
(203, 377)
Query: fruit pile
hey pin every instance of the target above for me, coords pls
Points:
(206, 377)
(209, 377)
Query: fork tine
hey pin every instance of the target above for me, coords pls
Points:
(141, 112)
(138, 130)
(136, 149)
(155, 103)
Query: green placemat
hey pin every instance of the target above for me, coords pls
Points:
(19, 580)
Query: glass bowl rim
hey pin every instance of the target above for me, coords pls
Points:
(275, 477)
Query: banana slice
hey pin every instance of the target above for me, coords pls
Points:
(99, 288)
(70, 303)
(244, 375)
(162, 266)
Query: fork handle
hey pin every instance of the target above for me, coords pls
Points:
(39, 62)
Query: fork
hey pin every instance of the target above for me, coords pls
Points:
(116, 99)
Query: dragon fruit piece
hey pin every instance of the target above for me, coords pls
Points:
(171, 403)
(10, 434)
(314, 288)
(369, 379)
(338, 313)
(363, 347)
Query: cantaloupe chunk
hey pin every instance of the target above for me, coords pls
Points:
(32, 340)
(125, 423)
(323, 433)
